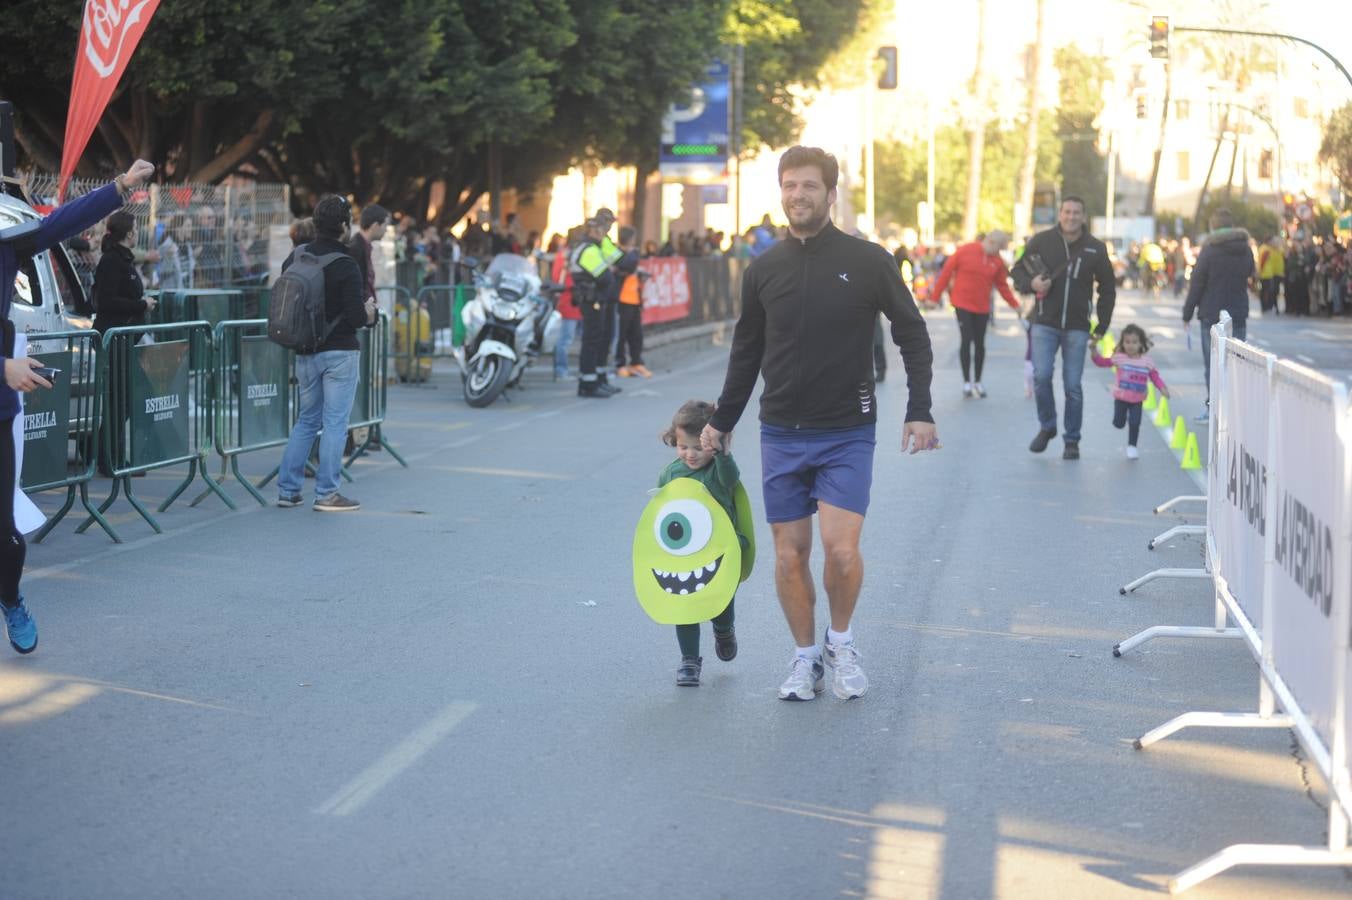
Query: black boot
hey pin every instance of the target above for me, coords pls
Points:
(605, 387)
(591, 389)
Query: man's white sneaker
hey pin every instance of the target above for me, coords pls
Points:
(848, 680)
(1132, 452)
(804, 681)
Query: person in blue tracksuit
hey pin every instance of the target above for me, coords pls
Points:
(17, 246)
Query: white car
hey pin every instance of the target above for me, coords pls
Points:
(47, 289)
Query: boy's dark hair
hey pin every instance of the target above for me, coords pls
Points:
(1222, 218)
(798, 156)
(373, 214)
(332, 215)
(690, 418)
(1074, 198)
(1137, 330)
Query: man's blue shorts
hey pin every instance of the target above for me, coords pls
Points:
(800, 467)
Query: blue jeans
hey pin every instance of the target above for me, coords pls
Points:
(567, 331)
(1073, 345)
(1238, 330)
(328, 384)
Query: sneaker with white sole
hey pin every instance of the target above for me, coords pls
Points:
(848, 680)
(1132, 452)
(806, 678)
(20, 627)
(336, 503)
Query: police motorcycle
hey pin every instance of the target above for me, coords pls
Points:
(511, 320)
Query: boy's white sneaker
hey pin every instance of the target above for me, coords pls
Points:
(848, 680)
(1132, 452)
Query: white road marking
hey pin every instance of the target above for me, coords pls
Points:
(1305, 359)
(359, 791)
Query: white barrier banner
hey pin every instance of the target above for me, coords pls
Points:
(1238, 482)
(1307, 475)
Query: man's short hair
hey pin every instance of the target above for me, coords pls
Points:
(1222, 218)
(302, 232)
(374, 214)
(1073, 198)
(332, 215)
(627, 233)
(799, 156)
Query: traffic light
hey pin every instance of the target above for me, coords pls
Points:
(1141, 108)
(1159, 37)
(1289, 205)
(887, 71)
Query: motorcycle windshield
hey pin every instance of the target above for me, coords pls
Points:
(512, 264)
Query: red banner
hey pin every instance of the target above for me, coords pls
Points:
(109, 33)
(666, 295)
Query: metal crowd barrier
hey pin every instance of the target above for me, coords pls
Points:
(200, 304)
(157, 398)
(368, 407)
(254, 396)
(55, 419)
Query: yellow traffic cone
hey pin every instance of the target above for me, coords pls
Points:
(1162, 417)
(1191, 458)
(1180, 437)
(1150, 399)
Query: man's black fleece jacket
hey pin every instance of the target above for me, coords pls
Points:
(809, 309)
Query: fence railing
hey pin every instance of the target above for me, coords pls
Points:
(157, 402)
(61, 425)
(255, 403)
(372, 400)
(1278, 538)
(206, 235)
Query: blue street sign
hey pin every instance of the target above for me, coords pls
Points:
(695, 136)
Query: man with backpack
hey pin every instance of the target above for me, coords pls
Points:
(317, 307)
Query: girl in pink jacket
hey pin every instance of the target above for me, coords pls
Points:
(1134, 369)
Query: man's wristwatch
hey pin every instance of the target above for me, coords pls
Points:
(121, 183)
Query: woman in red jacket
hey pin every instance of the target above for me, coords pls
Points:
(972, 271)
(572, 316)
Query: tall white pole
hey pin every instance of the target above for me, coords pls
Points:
(1108, 203)
(868, 225)
(927, 227)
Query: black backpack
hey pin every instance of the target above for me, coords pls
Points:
(296, 318)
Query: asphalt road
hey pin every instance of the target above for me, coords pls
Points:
(453, 693)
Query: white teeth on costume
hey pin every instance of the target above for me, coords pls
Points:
(687, 582)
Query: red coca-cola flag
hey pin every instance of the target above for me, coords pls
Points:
(109, 33)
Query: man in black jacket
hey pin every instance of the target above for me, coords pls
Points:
(1059, 266)
(809, 307)
(1220, 283)
(328, 377)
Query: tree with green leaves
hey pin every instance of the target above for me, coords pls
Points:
(1083, 169)
(902, 176)
(1335, 151)
(380, 99)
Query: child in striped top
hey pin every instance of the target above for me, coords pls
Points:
(1134, 369)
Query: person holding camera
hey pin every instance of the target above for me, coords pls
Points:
(1059, 267)
(119, 292)
(18, 245)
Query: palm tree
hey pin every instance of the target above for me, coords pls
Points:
(1028, 169)
(976, 138)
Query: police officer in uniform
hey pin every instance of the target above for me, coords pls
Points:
(592, 280)
(612, 254)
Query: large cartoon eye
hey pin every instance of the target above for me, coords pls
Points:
(683, 527)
